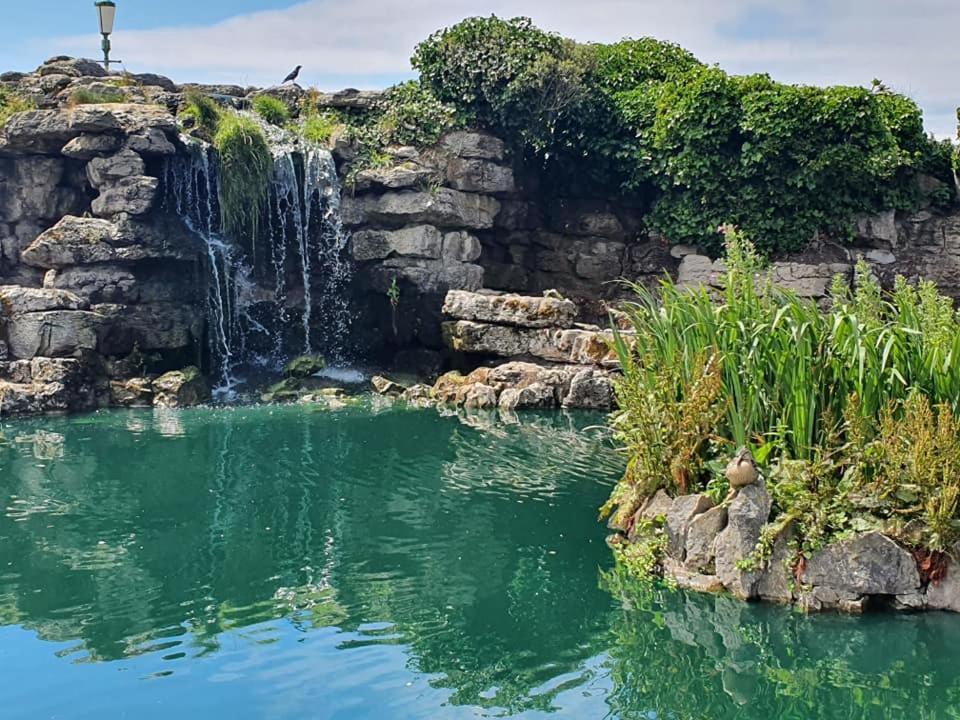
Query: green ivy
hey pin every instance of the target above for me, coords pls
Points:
(699, 148)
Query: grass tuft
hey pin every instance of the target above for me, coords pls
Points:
(271, 109)
(246, 167)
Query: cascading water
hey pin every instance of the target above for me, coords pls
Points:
(296, 268)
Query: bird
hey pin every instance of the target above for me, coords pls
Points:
(741, 471)
(293, 75)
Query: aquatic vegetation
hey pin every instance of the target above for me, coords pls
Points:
(246, 167)
(852, 412)
(271, 109)
(11, 103)
(647, 120)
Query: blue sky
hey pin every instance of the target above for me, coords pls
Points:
(912, 46)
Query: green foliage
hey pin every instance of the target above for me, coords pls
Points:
(11, 103)
(647, 120)
(271, 109)
(642, 557)
(246, 167)
(319, 128)
(852, 411)
(412, 115)
(202, 113)
(85, 96)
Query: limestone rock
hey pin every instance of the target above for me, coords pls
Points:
(53, 333)
(590, 389)
(87, 146)
(445, 208)
(132, 195)
(682, 512)
(467, 144)
(945, 595)
(882, 226)
(702, 533)
(746, 516)
(47, 385)
(657, 505)
(304, 366)
(532, 312)
(461, 246)
(135, 392)
(73, 67)
(15, 300)
(396, 177)
(33, 188)
(479, 176)
(776, 583)
(383, 386)
(581, 347)
(181, 388)
(690, 580)
(480, 397)
(149, 326)
(418, 395)
(420, 241)
(869, 564)
(151, 141)
(534, 396)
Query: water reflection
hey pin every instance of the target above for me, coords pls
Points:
(453, 559)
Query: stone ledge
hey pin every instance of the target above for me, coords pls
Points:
(510, 309)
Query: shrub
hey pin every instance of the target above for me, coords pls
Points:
(852, 411)
(85, 96)
(246, 168)
(203, 112)
(647, 120)
(271, 109)
(11, 103)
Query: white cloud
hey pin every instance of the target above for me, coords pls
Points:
(910, 46)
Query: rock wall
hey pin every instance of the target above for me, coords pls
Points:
(98, 284)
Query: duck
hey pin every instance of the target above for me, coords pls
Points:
(741, 471)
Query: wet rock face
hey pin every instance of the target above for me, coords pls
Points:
(181, 388)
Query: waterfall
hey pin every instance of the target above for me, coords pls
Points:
(295, 268)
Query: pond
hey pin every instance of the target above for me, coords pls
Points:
(278, 562)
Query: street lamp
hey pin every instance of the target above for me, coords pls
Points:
(107, 11)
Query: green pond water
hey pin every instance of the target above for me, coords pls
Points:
(269, 562)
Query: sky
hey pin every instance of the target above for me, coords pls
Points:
(911, 45)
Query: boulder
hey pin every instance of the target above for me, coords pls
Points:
(73, 67)
(419, 241)
(702, 532)
(151, 141)
(396, 177)
(868, 564)
(134, 392)
(657, 505)
(746, 516)
(445, 208)
(132, 195)
(181, 388)
(466, 144)
(480, 397)
(479, 176)
(84, 241)
(682, 512)
(590, 389)
(575, 346)
(47, 385)
(508, 309)
(53, 333)
(418, 395)
(945, 594)
(777, 582)
(87, 146)
(15, 300)
(383, 386)
(461, 246)
(304, 366)
(537, 395)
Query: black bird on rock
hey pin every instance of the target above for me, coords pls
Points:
(292, 76)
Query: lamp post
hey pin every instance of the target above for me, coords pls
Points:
(107, 11)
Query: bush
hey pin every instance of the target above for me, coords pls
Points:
(271, 109)
(853, 412)
(319, 128)
(246, 168)
(11, 103)
(412, 115)
(648, 121)
(85, 96)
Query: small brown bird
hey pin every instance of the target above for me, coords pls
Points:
(741, 471)
(293, 75)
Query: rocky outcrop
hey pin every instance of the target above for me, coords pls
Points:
(718, 549)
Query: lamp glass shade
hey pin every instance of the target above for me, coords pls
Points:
(107, 11)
